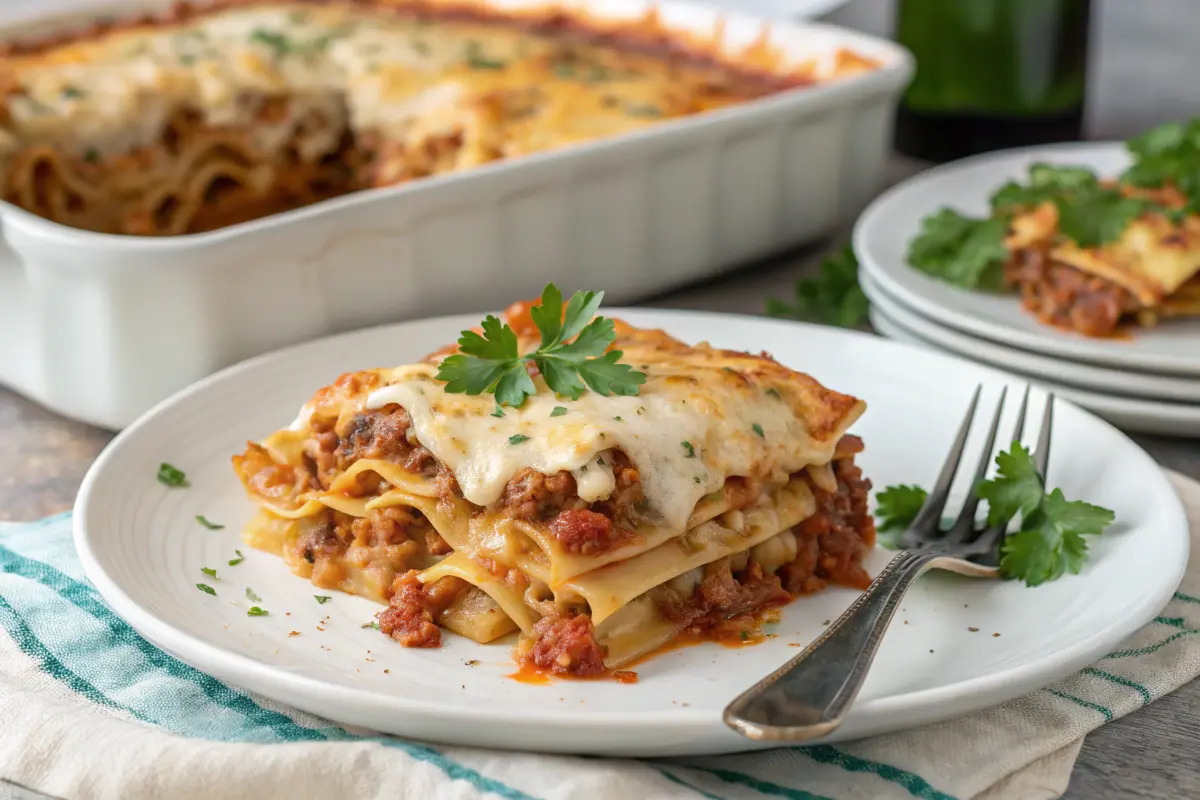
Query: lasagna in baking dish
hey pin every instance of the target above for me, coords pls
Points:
(598, 528)
(212, 116)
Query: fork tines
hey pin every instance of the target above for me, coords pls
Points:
(962, 535)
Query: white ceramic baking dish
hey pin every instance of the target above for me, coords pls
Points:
(100, 327)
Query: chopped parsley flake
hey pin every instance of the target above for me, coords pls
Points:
(639, 110)
(618, 419)
(374, 625)
(204, 587)
(774, 393)
(696, 479)
(170, 476)
(72, 92)
(276, 41)
(233, 562)
(688, 449)
(255, 611)
(209, 571)
(758, 429)
(745, 636)
(251, 596)
(212, 526)
(600, 461)
(558, 411)
(476, 59)
(92, 155)
(518, 438)
(322, 598)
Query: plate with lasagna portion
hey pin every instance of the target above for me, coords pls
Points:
(1081, 252)
(554, 530)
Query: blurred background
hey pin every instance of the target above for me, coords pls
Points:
(1133, 44)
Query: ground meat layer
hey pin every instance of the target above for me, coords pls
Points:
(1066, 297)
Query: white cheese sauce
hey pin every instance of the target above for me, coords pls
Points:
(690, 428)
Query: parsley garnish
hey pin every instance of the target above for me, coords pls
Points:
(558, 411)
(212, 526)
(374, 625)
(477, 60)
(210, 572)
(1046, 183)
(961, 250)
(204, 587)
(688, 449)
(499, 412)
(1051, 540)
(255, 611)
(91, 155)
(642, 110)
(251, 596)
(775, 393)
(72, 92)
(276, 41)
(571, 354)
(618, 419)
(233, 562)
(518, 438)
(696, 478)
(833, 297)
(759, 430)
(1097, 216)
(897, 506)
(1168, 154)
(322, 598)
(170, 476)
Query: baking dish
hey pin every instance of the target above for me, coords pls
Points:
(100, 327)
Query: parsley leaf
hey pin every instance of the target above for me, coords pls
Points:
(833, 297)
(255, 611)
(1017, 487)
(204, 587)
(897, 506)
(212, 526)
(518, 438)
(571, 356)
(1097, 216)
(171, 476)
(251, 596)
(759, 430)
(1046, 182)
(209, 571)
(960, 250)
(233, 562)
(322, 598)
(688, 449)
(1051, 540)
(558, 411)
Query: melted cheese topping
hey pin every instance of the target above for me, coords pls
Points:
(697, 421)
(106, 95)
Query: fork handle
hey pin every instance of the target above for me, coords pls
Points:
(808, 697)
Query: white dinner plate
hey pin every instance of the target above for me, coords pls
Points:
(882, 235)
(1129, 413)
(1089, 377)
(778, 9)
(142, 547)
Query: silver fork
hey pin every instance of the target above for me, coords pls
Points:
(809, 696)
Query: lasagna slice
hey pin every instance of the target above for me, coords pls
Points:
(1146, 274)
(599, 528)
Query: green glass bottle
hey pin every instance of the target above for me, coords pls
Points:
(992, 74)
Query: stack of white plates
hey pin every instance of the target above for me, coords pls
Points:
(1148, 381)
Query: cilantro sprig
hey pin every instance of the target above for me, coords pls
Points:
(571, 356)
(833, 297)
(1051, 540)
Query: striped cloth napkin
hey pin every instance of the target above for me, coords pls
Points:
(91, 710)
